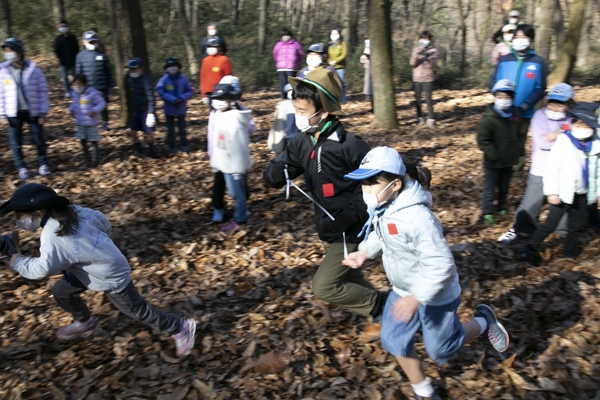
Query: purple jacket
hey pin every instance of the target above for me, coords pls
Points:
(540, 147)
(288, 55)
(170, 88)
(90, 100)
(36, 91)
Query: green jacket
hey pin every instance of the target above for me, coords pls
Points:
(500, 140)
(337, 52)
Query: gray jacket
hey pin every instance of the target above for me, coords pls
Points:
(416, 256)
(89, 254)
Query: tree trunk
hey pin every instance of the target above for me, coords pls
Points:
(544, 32)
(531, 12)
(568, 55)
(234, 11)
(380, 34)
(58, 11)
(5, 19)
(463, 31)
(350, 30)
(195, 15)
(138, 34)
(559, 27)
(584, 41)
(262, 25)
(188, 42)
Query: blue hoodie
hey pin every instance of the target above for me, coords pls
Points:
(173, 87)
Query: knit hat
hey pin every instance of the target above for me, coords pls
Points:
(508, 28)
(31, 197)
(561, 92)
(329, 86)
(503, 85)
(586, 112)
(90, 36)
(378, 160)
(15, 44)
(514, 13)
(134, 62)
(225, 91)
(318, 48)
(172, 62)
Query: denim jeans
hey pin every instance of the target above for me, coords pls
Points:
(171, 132)
(15, 131)
(236, 185)
(341, 73)
(64, 74)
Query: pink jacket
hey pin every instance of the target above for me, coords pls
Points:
(36, 91)
(499, 50)
(423, 68)
(90, 100)
(288, 55)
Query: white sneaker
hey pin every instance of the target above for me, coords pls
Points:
(23, 174)
(44, 170)
(430, 122)
(508, 236)
(421, 121)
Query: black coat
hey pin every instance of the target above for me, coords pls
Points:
(66, 49)
(140, 92)
(203, 44)
(335, 154)
(96, 67)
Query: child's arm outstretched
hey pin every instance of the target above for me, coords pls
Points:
(367, 249)
(50, 262)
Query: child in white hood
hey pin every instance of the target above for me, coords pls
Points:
(420, 266)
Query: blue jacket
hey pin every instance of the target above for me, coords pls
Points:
(96, 67)
(170, 88)
(529, 77)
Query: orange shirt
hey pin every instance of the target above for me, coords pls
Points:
(213, 69)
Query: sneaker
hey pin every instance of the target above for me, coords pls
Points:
(218, 215)
(430, 122)
(79, 329)
(105, 127)
(184, 340)
(44, 170)
(67, 95)
(531, 256)
(421, 121)
(23, 174)
(231, 226)
(435, 396)
(508, 236)
(495, 331)
(488, 219)
(502, 213)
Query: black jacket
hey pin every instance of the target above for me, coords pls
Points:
(66, 49)
(96, 67)
(335, 154)
(500, 139)
(203, 44)
(140, 92)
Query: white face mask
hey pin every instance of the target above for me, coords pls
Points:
(10, 56)
(79, 89)
(173, 70)
(289, 95)
(371, 199)
(521, 44)
(134, 74)
(555, 115)
(424, 43)
(508, 37)
(303, 123)
(513, 21)
(286, 38)
(314, 61)
(212, 51)
(63, 29)
(90, 47)
(28, 224)
(503, 104)
(334, 38)
(219, 105)
(212, 32)
(582, 133)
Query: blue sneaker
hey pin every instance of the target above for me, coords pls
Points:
(79, 329)
(105, 126)
(495, 331)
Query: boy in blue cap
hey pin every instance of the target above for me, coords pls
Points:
(423, 299)
(141, 105)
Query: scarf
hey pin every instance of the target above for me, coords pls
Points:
(586, 147)
(503, 114)
(373, 212)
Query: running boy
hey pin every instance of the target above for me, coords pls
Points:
(424, 298)
(141, 105)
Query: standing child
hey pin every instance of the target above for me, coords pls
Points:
(420, 266)
(76, 241)
(571, 181)
(86, 107)
(214, 67)
(175, 90)
(423, 59)
(502, 144)
(503, 48)
(365, 60)
(141, 105)
(284, 125)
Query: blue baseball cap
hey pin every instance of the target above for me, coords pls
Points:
(378, 160)
(504, 85)
(90, 36)
(561, 92)
(134, 62)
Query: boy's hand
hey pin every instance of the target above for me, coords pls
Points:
(554, 200)
(356, 259)
(91, 114)
(551, 136)
(404, 309)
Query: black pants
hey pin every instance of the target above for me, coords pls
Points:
(128, 301)
(283, 80)
(426, 87)
(105, 110)
(495, 178)
(171, 131)
(578, 214)
(218, 197)
(86, 152)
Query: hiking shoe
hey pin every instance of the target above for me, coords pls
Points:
(430, 122)
(184, 340)
(421, 121)
(495, 331)
(218, 215)
(531, 256)
(488, 219)
(44, 170)
(231, 226)
(23, 174)
(435, 396)
(79, 329)
(508, 236)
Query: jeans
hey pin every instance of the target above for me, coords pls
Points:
(236, 185)
(128, 301)
(15, 131)
(64, 74)
(426, 87)
(282, 76)
(341, 73)
(495, 178)
(171, 132)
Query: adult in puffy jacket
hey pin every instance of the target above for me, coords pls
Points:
(336, 57)
(287, 54)
(96, 67)
(423, 59)
(66, 49)
(23, 98)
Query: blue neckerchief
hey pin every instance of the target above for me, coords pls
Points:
(503, 114)
(586, 148)
(373, 212)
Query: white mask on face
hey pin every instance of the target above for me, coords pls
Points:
(10, 56)
(28, 223)
(219, 105)
(503, 104)
(63, 29)
(555, 115)
(582, 133)
(173, 70)
(212, 32)
(521, 44)
(424, 43)
(371, 199)
(513, 21)
(212, 51)
(314, 61)
(303, 123)
(134, 74)
(508, 37)
(286, 38)
(90, 47)
(334, 38)
(79, 89)
(289, 95)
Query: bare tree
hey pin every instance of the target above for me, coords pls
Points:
(530, 12)
(4, 19)
(58, 11)
(186, 34)
(568, 55)
(349, 31)
(262, 24)
(462, 20)
(544, 32)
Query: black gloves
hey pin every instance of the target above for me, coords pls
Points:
(9, 244)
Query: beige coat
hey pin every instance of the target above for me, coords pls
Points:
(423, 68)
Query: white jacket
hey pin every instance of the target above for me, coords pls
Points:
(416, 256)
(230, 150)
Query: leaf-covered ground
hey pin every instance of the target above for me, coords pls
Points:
(262, 333)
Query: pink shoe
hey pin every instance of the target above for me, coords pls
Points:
(184, 340)
(231, 226)
(79, 329)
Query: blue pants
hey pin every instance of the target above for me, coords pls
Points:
(138, 122)
(236, 185)
(64, 74)
(341, 73)
(15, 131)
(171, 132)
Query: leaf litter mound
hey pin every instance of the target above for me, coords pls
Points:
(261, 332)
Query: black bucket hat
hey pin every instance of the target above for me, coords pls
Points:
(32, 197)
(225, 91)
(587, 112)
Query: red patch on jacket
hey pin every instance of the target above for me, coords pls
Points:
(312, 155)
(392, 229)
(530, 75)
(328, 190)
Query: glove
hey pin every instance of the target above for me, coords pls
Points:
(150, 121)
(9, 244)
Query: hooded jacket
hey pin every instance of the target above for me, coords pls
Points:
(96, 67)
(540, 147)
(335, 154)
(231, 148)
(173, 87)
(416, 256)
(90, 100)
(500, 140)
(89, 254)
(66, 49)
(35, 88)
(288, 55)
(211, 131)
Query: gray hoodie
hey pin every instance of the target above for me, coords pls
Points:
(416, 257)
(89, 254)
